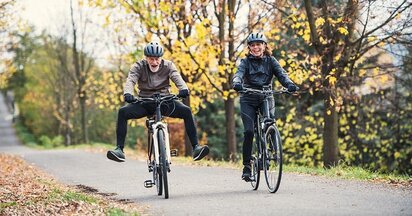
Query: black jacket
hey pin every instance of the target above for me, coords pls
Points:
(258, 72)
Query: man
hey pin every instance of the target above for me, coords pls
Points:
(152, 76)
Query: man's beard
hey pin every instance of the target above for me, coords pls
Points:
(154, 69)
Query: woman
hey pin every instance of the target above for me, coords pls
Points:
(258, 69)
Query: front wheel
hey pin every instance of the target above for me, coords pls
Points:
(163, 161)
(272, 158)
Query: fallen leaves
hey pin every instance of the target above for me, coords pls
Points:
(25, 190)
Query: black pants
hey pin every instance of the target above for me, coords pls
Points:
(249, 105)
(175, 109)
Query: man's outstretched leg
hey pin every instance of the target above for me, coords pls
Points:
(130, 111)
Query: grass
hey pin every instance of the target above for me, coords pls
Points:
(7, 204)
(57, 194)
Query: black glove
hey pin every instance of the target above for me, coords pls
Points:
(237, 86)
(292, 87)
(183, 93)
(128, 98)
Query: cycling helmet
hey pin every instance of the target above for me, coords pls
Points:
(256, 37)
(153, 49)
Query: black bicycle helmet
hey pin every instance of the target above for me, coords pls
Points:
(153, 49)
(256, 37)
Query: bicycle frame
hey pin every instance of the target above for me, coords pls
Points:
(160, 165)
(155, 127)
(266, 154)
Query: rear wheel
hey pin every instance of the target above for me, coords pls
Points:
(272, 163)
(255, 165)
(163, 161)
(255, 173)
(157, 176)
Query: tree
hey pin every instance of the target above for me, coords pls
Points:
(341, 38)
(7, 21)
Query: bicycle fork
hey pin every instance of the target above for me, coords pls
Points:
(156, 161)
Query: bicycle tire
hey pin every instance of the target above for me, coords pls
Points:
(272, 163)
(157, 176)
(163, 161)
(255, 165)
(255, 173)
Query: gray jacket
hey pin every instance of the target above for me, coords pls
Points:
(258, 72)
(149, 83)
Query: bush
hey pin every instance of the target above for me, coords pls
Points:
(56, 141)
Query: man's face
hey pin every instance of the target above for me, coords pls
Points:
(257, 48)
(154, 63)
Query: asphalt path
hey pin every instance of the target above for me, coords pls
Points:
(199, 190)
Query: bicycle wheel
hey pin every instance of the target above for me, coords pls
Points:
(255, 173)
(272, 163)
(157, 175)
(163, 161)
(255, 164)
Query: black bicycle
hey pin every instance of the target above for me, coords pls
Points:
(158, 150)
(267, 153)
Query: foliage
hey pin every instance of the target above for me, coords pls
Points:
(210, 123)
(54, 142)
(336, 51)
(27, 191)
(8, 24)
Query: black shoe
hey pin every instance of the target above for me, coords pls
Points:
(116, 155)
(200, 152)
(247, 173)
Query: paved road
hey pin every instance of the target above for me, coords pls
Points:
(210, 190)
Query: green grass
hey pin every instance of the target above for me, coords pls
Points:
(118, 212)
(7, 204)
(347, 172)
(76, 196)
(57, 194)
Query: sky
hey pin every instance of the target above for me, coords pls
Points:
(54, 17)
(53, 14)
(45, 14)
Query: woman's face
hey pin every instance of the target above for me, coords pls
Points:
(154, 63)
(257, 48)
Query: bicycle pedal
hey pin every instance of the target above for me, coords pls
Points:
(148, 183)
(173, 152)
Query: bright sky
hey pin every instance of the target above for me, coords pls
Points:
(54, 16)
(45, 14)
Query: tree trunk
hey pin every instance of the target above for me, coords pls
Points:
(230, 128)
(85, 133)
(80, 80)
(188, 145)
(330, 134)
(67, 130)
(230, 102)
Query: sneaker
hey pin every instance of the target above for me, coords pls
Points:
(247, 173)
(116, 155)
(200, 152)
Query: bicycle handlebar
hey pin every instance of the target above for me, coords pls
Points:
(264, 91)
(160, 99)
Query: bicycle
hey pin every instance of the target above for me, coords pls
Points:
(267, 153)
(158, 150)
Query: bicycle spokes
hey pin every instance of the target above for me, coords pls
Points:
(273, 159)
